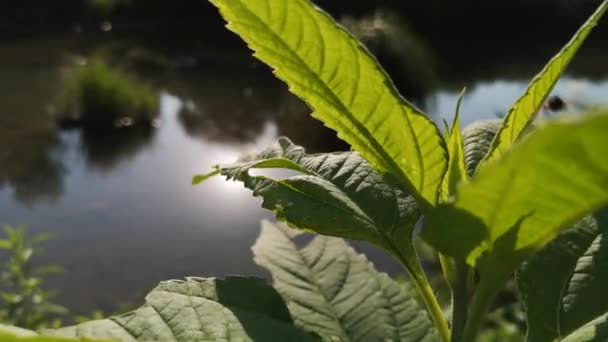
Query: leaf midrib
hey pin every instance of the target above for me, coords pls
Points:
(316, 285)
(363, 215)
(380, 232)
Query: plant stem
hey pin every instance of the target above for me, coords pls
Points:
(460, 300)
(426, 292)
(424, 288)
(481, 303)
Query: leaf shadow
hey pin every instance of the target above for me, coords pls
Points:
(259, 308)
(453, 231)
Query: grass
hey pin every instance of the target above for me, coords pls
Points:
(96, 95)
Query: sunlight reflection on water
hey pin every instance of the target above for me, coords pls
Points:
(122, 227)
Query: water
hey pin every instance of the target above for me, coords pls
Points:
(123, 211)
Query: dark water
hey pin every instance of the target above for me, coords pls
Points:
(121, 207)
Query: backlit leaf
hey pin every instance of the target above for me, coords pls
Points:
(457, 169)
(513, 207)
(347, 89)
(525, 108)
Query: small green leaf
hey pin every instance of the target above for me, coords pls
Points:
(571, 295)
(513, 207)
(335, 292)
(337, 194)
(525, 108)
(347, 89)
(198, 179)
(457, 169)
(197, 309)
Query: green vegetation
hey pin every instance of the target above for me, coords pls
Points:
(23, 300)
(493, 197)
(95, 95)
(517, 200)
(106, 7)
(14, 334)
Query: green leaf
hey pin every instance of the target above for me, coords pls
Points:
(525, 108)
(335, 292)
(513, 207)
(337, 194)
(477, 138)
(198, 179)
(594, 331)
(197, 309)
(5, 244)
(457, 169)
(347, 89)
(563, 300)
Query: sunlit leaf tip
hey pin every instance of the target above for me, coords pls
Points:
(525, 109)
(458, 103)
(198, 179)
(446, 127)
(347, 89)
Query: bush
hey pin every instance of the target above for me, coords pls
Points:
(23, 301)
(97, 95)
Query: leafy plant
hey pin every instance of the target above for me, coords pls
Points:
(486, 215)
(328, 289)
(23, 300)
(492, 196)
(96, 95)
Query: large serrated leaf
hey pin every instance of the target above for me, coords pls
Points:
(525, 108)
(347, 89)
(513, 207)
(335, 292)
(569, 296)
(199, 309)
(337, 194)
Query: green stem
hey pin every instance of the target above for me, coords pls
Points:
(481, 303)
(412, 264)
(460, 300)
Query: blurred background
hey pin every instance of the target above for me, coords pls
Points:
(108, 107)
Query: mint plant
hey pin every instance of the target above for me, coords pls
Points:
(494, 196)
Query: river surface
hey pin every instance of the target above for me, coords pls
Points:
(123, 212)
